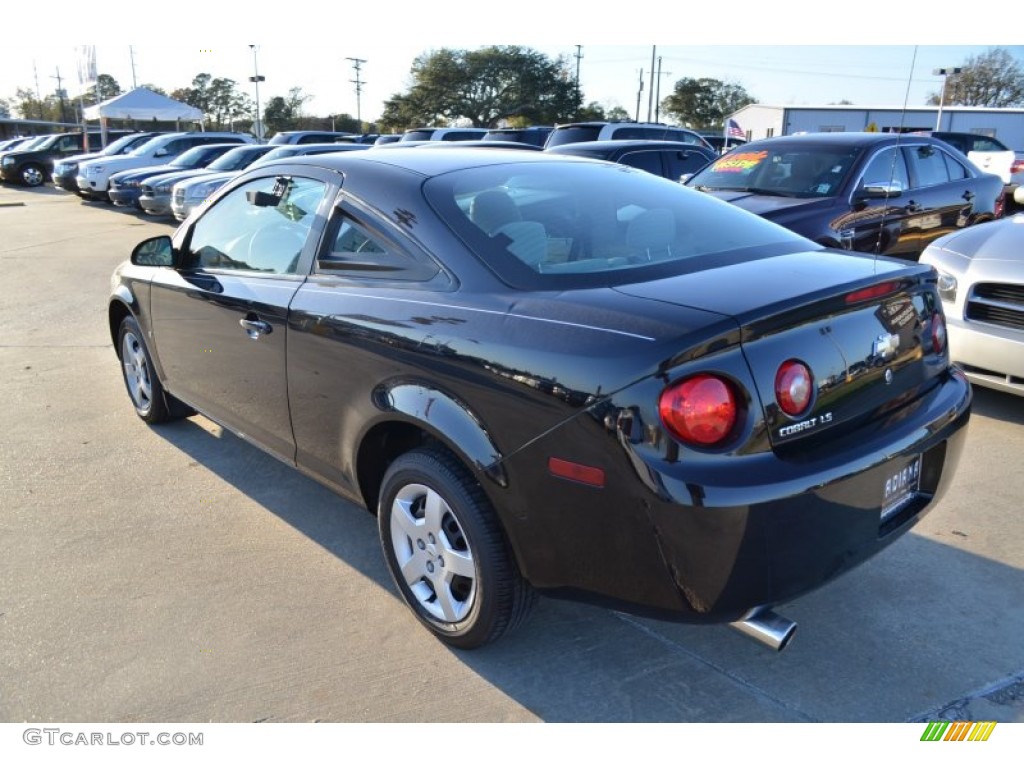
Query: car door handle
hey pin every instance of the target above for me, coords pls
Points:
(912, 206)
(968, 195)
(255, 328)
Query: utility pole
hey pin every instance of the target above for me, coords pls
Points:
(657, 95)
(356, 64)
(639, 94)
(39, 96)
(131, 55)
(60, 95)
(650, 91)
(579, 103)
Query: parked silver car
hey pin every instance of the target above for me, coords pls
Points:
(981, 284)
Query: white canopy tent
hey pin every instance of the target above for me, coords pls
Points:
(141, 104)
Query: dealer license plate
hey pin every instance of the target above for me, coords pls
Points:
(900, 487)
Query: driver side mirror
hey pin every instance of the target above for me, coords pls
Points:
(880, 189)
(154, 252)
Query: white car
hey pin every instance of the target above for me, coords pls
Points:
(94, 175)
(981, 284)
(989, 154)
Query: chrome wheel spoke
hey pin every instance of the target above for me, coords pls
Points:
(412, 570)
(433, 511)
(450, 608)
(459, 564)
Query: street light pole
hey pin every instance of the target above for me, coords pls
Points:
(945, 72)
(257, 78)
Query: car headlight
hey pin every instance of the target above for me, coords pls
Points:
(947, 287)
(7, 161)
(128, 184)
(162, 189)
(202, 191)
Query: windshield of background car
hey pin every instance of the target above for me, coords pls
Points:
(575, 224)
(124, 144)
(787, 170)
(237, 159)
(143, 149)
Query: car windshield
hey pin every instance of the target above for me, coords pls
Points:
(196, 157)
(573, 224)
(125, 144)
(143, 149)
(788, 170)
(237, 159)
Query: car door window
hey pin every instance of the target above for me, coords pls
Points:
(261, 226)
(886, 167)
(646, 160)
(928, 165)
(954, 168)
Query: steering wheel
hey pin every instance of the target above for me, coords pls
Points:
(276, 248)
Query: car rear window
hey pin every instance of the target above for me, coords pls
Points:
(576, 224)
(573, 133)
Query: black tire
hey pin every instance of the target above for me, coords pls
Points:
(152, 403)
(32, 175)
(451, 563)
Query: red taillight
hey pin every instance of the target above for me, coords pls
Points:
(793, 387)
(700, 410)
(1018, 166)
(938, 333)
(872, 292)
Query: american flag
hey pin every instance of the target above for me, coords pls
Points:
(733, 130)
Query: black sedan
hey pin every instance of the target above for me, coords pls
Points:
(546, 373)
(879, 193)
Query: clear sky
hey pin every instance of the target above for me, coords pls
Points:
(313, 50)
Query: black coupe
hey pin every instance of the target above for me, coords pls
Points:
(547, 373)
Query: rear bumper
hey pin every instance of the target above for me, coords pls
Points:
(708, 541)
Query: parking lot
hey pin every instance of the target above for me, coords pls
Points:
(177, 574)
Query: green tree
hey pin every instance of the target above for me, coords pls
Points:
(219, 98)
(284, 113)
(994, 79)
(484, 87)
(105, 87)
(30, 107)
(617, 113)
(703, 103)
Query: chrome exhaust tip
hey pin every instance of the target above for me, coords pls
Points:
(767, 627)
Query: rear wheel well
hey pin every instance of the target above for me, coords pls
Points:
(382, 445)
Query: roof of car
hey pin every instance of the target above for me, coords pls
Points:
(844, 138)
(614, 144)
(426, 161)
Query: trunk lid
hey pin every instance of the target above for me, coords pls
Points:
(864, 328)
